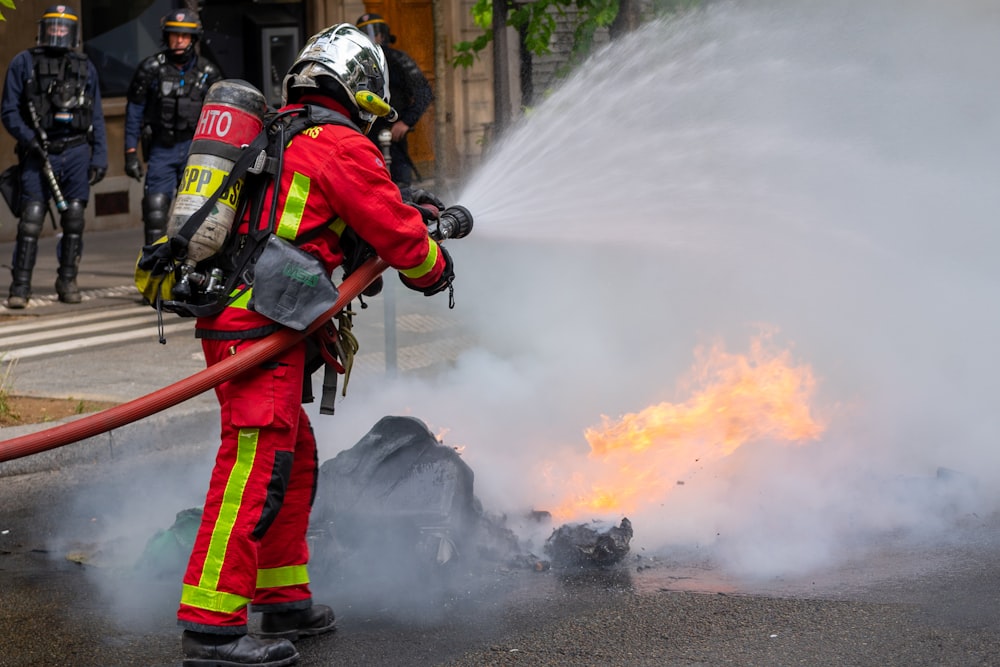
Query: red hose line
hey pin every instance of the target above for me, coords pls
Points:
(161, 399)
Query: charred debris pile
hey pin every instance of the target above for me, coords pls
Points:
(400, 489)
(402, 498)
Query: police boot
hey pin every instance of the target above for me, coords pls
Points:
(155, 210)
(293, 625)
(211, 650)
(29, 228)
(69, 251)
(69, 261)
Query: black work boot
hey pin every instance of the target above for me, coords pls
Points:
(67, 290)
(18, 297)
(210, 650)
(25, 253)
(69, 251)
(293, 625)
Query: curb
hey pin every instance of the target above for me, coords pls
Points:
(175, 427)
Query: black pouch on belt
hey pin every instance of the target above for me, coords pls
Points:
(290, 286)
(10, 188)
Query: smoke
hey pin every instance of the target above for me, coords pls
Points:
(826, 169)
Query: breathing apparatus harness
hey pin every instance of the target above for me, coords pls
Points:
(220, 280)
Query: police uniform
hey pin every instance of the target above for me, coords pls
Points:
(410, 93)
(164, 102)
(61, 86)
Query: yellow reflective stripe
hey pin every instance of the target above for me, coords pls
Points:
(295, 205)
(243, 300)
(246, 452)
(337, 226)
(227, 603)
(292, 575)
(424, 267)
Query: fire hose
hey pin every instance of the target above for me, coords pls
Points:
(454, 222)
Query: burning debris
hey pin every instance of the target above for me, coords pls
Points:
(400, 490)
(580, 545)
(399, 496)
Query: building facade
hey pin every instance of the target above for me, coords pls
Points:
(257, 40)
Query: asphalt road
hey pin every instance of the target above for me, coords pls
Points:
(72, 597)
(75, 521)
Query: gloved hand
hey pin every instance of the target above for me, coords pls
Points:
(419, 196)
(428, 213)
(35, 146)
(132, 166)
(443, 283)
(97, 174)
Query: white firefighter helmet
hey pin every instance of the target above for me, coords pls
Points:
(342, 56)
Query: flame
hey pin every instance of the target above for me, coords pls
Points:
(734, 400)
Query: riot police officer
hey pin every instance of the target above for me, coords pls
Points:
(52, 107)
(164, 102)
(410, 92)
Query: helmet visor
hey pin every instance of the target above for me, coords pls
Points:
(375, 27)
(57, 31)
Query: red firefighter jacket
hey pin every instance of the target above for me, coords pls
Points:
(333, 177)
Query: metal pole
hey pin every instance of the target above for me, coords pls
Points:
(501, 70)
(389, 286)
(391, 346)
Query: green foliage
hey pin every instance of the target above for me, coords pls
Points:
(7, 384)
(537, 21)
(9, 4)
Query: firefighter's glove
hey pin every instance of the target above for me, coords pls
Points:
(97, 174)
(443, 283)
(132, 166)
(418, 196)
(428, 214)
(156, 258)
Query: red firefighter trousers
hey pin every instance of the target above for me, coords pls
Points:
(251, 545)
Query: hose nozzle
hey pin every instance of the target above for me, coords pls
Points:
(455, 222)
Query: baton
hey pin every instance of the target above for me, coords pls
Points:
(50, 175)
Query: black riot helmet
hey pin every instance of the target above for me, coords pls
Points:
(183, 22)
(376, 28)
(59, 28)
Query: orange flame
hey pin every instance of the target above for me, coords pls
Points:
(734, 400)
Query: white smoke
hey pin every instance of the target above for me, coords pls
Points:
(828, 169)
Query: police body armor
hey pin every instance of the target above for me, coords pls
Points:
(59, 93)
(173, 108)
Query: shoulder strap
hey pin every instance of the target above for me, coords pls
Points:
(283, 128)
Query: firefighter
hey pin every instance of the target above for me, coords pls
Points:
(411, 95)
(52, 106)
(251, 547)
(164, 102)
